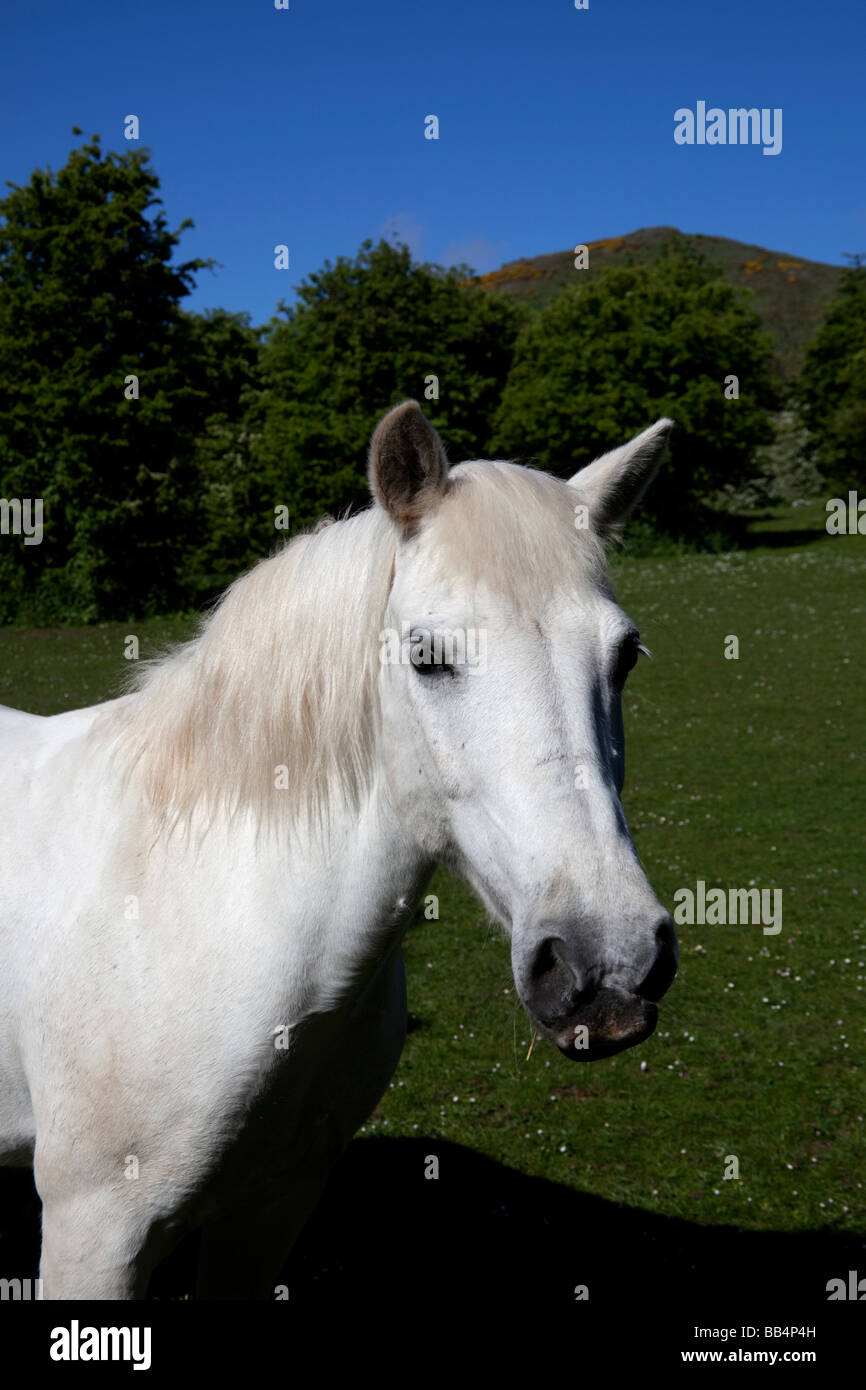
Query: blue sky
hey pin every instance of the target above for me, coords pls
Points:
(306, 126)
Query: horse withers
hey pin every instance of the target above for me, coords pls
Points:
(204, 884)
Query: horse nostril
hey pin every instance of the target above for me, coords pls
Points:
(664, 967)
(666, 936)
(554, 984)
(545, 959)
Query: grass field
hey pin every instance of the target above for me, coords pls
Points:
(740, 772)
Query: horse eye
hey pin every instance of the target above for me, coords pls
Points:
(626, 660)
(423, 655)
(425, 663)
(432, 667)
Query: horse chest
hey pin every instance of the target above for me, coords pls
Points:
(331, 1071)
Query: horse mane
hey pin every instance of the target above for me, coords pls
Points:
(273, 707)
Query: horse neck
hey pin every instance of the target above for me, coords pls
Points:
(351, 892)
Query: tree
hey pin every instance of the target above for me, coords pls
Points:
(366, 333)
(611, 354)
(211, 498)
(88, 301)
(831, 389)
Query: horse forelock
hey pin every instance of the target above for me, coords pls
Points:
(514, 529)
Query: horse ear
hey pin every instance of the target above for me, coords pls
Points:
(612, 485)
(408, 466)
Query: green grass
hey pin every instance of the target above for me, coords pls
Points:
(740, 772)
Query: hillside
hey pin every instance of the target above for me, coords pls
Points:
(790, 293)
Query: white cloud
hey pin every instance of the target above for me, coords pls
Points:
(481, 254)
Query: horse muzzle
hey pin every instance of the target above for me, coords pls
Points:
(590, 1012)
(608, 1022)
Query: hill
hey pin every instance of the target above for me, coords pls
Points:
(790, 293)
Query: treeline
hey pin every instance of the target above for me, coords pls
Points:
(166, 445)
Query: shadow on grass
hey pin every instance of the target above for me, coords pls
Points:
(704, 531)
(485, 1232)
(749, 536)
(386, 1237)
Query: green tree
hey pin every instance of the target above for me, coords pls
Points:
(88, 299)
(831, 389)
(211, 496)
(610, 354)
(366, 333)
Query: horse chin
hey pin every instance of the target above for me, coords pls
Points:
(610, 1023)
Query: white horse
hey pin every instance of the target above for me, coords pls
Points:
(204, 884)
